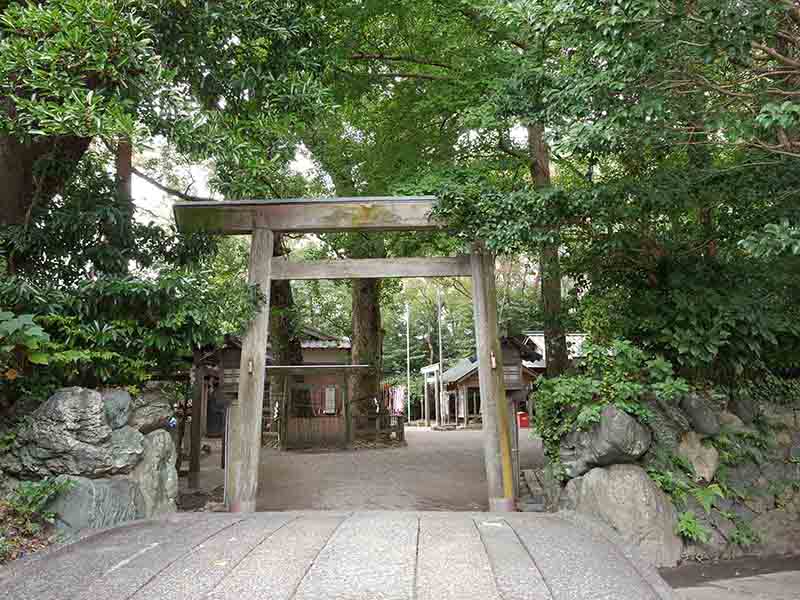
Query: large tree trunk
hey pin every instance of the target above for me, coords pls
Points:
(33, 172)
(367, 343)
(557, 358)
(118, 232)
(284, 337)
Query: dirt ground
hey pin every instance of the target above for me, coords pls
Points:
(437, 470)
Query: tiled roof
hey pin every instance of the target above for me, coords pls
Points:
(463, 368)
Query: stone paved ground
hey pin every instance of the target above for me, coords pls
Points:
(438, 470)
(773, 586)
(323, 555)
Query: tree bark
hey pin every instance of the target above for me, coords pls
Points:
(32, 172)
(118, 234)
(284, 336)
(557, 358)
(367, 343)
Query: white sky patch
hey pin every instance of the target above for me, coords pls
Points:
(156, 205)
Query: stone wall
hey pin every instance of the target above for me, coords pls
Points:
(114, 448)
(740, 459)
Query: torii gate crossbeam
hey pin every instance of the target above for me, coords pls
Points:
(262, 219)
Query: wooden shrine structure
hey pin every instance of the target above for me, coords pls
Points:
(261, 219)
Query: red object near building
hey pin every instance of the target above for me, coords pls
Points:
(523, 420)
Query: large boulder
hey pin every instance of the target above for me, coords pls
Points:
(703, 458)
(156, 476)
(127, 447)
(730, 421)
(152, 409)
(778, 532)
(96, 503)
(744, 407)
(626, 499)
(667, 422)
(617, 438)
(781, 416)
(70, 434)
(117, 403)
(700, 414)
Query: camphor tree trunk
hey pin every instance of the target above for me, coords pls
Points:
(557, 359)
(367, 343)
(32, 172)
(284, 336)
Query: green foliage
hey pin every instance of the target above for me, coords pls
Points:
(691, 529)
(776, 239)
(766, 387)
(30, 498)
(75, 67)
(122, 331)
(619, 374)
(743, 534)
(739, 447)
(21, 342)
(673, 475)
(7, 440)
(707, 496)
(24, 515)
(86, 231)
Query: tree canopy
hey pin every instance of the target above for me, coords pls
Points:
(633, 163)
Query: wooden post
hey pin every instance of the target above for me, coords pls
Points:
(348, 416)
(221, 400)
(245, 414)
(496, 435)
(283, 412)
(197, 426)
(437, 398)
(425, 409)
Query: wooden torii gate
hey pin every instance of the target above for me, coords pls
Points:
(262, 219)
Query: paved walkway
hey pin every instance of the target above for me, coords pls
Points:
(438, 470)
(773, 586)
(352, 556)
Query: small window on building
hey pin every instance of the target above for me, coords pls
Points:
(330, 400)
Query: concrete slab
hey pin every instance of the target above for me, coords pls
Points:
(452, 559)
(773, 586)
(207, 564)
(358, 556)
(370, 555)
(515, 573)
(280, 565)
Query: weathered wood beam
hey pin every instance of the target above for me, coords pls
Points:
(494, 405)
(372, 268)
(406, 213)
(245, 413)
(316, 369)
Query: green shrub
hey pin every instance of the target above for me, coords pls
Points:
(690, 528)
(620, 374)
(24, 518)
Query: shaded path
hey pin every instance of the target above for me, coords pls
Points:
(436, 471)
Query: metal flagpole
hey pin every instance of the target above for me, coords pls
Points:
(441, 362)
(408, 359)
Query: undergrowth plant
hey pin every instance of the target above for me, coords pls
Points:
(690, 528)
(620, 374)
(24, 517)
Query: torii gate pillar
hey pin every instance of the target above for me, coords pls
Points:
(494, 408)
(243, 445)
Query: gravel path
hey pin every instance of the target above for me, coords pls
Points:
(438, 470)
